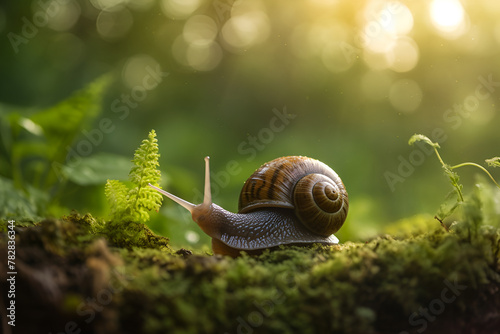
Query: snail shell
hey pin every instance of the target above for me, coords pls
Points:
(308, 186)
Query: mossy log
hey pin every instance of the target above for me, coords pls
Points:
(79, 275)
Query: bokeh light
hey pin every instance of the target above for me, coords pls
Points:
(246, 30)
(200, 29)
(404, 55)
(107, 4)
(196, 47)
(405, 95)
(114, 23)
(192, 236)
(141, 5)
(248, 26)
(448, 17)
(179, 9)
(203, 56)
(136, 68)
(385, 39)
(383, 23)
(66, 15)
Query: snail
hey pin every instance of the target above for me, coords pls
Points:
(289, 200)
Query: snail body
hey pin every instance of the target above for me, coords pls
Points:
(289, 200)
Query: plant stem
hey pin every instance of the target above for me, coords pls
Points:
(478, 166)
(448, 169)
(439, 157)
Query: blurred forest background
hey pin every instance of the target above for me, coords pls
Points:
(345, 82)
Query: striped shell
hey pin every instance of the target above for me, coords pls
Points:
(308, 186)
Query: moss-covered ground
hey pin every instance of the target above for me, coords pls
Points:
(81, 275)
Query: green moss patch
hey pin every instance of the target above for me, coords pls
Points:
(105, 277)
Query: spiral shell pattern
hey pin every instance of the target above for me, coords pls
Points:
(308, 186)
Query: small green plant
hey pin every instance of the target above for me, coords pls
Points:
(453, 176)
(134, 204)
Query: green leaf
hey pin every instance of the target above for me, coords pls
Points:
(493, 162)
(14, 203)
(419, 137)
(446, 209)
(97, 169)
(454, 179)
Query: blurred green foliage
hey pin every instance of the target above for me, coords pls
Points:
(35, 148)
(345, 82)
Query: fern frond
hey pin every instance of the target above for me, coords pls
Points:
(142, 198)
(116, 193)
(135, 204)
(145, 162)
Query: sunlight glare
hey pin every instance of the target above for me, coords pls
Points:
(447, 13)
(448, 17)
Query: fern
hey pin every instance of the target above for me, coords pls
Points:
(116, 193)
(134, 204)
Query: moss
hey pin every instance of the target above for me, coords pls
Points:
(118, 279)
(412, 226)
(131, 234)
(355, 287)
(118, 234)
